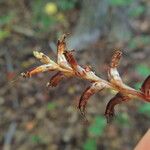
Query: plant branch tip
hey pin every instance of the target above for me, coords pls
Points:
(67, 66)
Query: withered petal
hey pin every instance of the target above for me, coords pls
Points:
(145, 88)
(73, 63)
(42, 57)
(115, 59)
(39, 69)
(70, 58)
(91, 90)
(110, 108)
(61, 45)
(56, 79)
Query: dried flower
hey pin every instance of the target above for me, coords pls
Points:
(67, 66)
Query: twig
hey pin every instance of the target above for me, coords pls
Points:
(9, 135)
(12, 127)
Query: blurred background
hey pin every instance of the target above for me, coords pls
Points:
(33, 116)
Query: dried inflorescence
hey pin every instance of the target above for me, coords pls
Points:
(67, 66)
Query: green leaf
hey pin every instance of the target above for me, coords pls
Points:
(143, 70)
(51, 106)
(47, 21)
(6, 19)
(145, 39)
(144, 109)
(65, 5)
(4, 34)
(122, 119)
(40, 18)
(90, 144)
(98, 126)
(137, 11)
(36, 139)
(119, 2)
(132, 44)
(139, 41)
(37, 7)
(137, 85)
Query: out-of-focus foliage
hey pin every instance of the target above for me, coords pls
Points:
(139, 41)
(144, 109)
(47, 13)
(90, 144)
(5, 25)
(122, 119)
(120, 2)
(95, 130)
(136, 11)
(98, 126)
(36, 139)
(143, 70)
(41, 16)
(137, 85)
(6, 19)
(51, 105)
(65, 5)
(4, 34)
